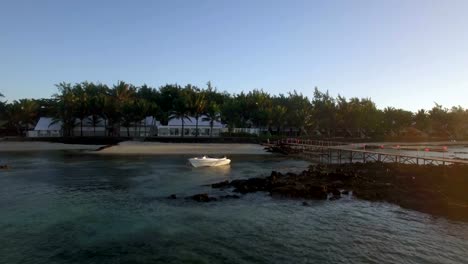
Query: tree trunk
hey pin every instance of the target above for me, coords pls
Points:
(196, 127)
(211, 129)
(81, 127)
(128, 131)
(182, 134)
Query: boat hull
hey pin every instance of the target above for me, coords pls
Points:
(209, 162)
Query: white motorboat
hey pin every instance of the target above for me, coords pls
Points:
(209, 162)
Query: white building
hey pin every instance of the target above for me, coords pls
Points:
(174, 128)
(46, 127)
(148, 127)
(88, 129)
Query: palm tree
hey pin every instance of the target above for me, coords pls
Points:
(153, 110)
(21, 114)
(198, 106)
(82, 104)
(141, 109)
(212, 115)
(110, 114)
(279, 117)
(96, 96)
(123, 91)
(128, 115)
(122, 95)
(65, 108)
(181, 111)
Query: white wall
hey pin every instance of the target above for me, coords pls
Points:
(44, 133)
(190, 131)
(137, 132)
(254, 131)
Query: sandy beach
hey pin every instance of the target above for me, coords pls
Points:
(133, 147)
(42, 146)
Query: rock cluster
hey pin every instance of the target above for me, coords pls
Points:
(439, 190)
(204, 197)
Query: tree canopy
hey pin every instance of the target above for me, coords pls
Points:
(124, 105)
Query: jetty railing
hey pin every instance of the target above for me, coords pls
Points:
(339, 152)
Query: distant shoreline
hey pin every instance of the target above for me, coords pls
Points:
(120, 146)
(136, 147)
(17, 146)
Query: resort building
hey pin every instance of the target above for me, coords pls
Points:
(174, 128)
(148, 127)
(46, 127)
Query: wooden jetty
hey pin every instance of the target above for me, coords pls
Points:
(340, 152)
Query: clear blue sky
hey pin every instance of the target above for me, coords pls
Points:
(403, 53)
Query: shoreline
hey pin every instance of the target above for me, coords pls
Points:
(15, 146)
(145, 147)
(139, 148)
(150, 148)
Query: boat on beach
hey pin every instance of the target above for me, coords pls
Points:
(209, 162)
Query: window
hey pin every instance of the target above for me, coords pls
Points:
(174, 131)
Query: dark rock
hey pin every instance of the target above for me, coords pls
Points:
(172, 196)
(337, 184)
(250, 185)
(439, 190)
(222, 184)
(275, 174)
(369, 194)
(305, 203)
(317, 192)
(230, 196)
(300, 191)
(237, 183)
(202, 197)
(335, 192)
(287, 191)
(334, 197)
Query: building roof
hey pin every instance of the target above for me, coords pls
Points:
(192, 122)
(46, 123)
(150, 121)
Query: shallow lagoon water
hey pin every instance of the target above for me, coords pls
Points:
(70, 207)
